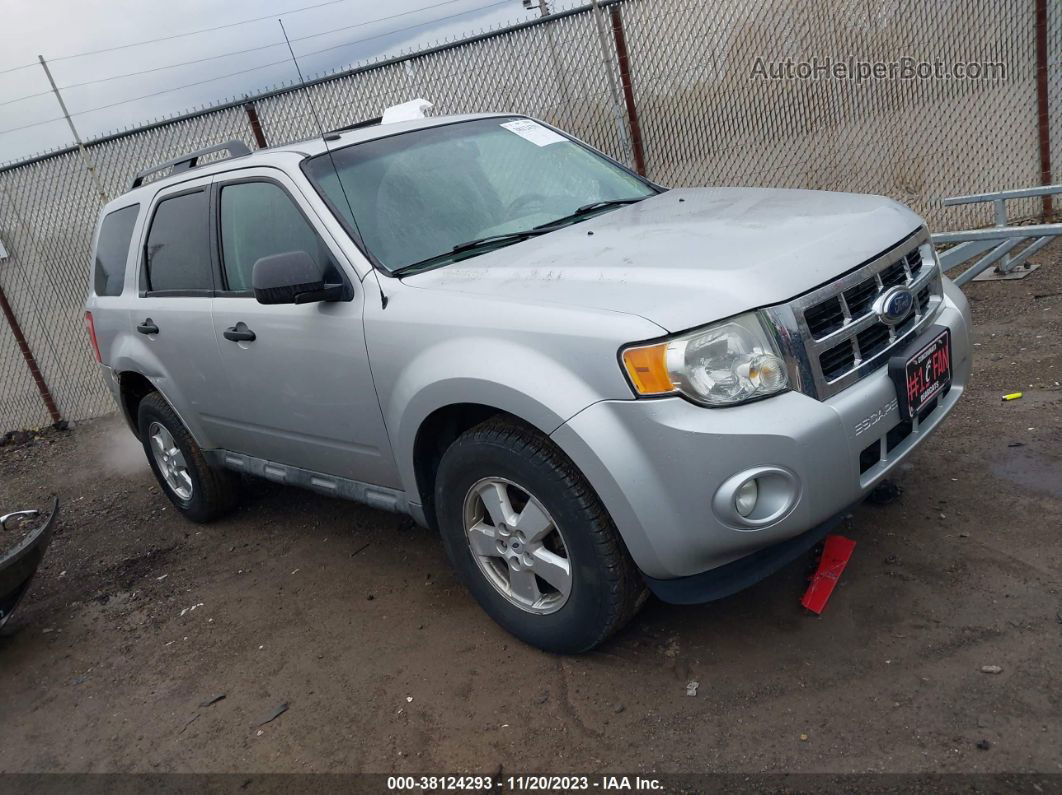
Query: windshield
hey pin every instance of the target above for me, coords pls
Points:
(418, 195)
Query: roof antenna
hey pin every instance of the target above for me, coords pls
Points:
(332, 160)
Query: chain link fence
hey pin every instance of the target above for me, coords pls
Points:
(714, 119)
(48, 211)
(700, 82)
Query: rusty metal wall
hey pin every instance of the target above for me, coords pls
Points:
(706, 119)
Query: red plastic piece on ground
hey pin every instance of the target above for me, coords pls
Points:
(835, 555)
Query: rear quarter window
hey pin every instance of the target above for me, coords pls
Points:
(177, 252)
(112, 250)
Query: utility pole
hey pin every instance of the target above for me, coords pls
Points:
(543, 6)
(77, 138)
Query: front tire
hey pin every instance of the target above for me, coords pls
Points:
(199, 491)
(531, 540)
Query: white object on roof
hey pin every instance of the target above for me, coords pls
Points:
(3, 251)
(407, 111)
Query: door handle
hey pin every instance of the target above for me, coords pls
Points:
(147, 327)
(239, 333)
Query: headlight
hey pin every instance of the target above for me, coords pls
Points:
(730, 362)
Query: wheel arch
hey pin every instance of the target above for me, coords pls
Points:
(436, 432)
(133, 387)
(542, 387)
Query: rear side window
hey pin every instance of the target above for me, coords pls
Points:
(178, 245)
(259, 219)
(112, 250)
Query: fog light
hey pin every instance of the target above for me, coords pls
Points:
(756, 498)
(745, 499)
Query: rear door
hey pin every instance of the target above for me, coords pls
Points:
(171, 317)
(301, 392)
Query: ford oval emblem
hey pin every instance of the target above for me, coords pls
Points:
(894, 305)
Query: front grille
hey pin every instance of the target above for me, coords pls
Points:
(837, 361)
(895, 274)
(872, 341)
(923, 299)
(825, 318)
(843, 338)
(860, 298)
(914, 262)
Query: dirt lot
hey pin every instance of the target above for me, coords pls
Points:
(351, 617)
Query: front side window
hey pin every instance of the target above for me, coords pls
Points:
(413, 197)
(178, 245)
(112, 250)
(259, 219)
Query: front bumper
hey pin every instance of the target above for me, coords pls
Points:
(657, 464)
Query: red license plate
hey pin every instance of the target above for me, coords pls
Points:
(924, 372)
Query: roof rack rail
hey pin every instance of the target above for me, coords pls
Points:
(191, 160)
(358, 125)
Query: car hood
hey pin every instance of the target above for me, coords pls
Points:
(689, 256)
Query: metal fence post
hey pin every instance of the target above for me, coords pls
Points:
(256, 125)
(1042, 106)
(606, 62)
(1001, 220)
(628, 88)
(31, 361)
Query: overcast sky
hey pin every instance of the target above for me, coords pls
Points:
(351, 31)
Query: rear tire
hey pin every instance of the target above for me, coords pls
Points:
(516, 516)
(199, 491)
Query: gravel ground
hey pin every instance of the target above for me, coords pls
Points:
(351, 617)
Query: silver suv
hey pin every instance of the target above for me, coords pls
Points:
(592, 387)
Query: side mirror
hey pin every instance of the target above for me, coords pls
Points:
(292, 278)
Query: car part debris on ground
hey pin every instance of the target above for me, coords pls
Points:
(835, 555)
(19, 561)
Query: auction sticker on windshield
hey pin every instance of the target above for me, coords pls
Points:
(534, 132)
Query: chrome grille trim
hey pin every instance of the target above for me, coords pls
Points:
(804, 350)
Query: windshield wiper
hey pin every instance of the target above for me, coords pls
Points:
(601, 205)
(507, 238)
(514, 237)
(589, 208)
(493, 241)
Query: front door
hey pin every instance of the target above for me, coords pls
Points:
(300, 392)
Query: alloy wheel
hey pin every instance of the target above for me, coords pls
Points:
(517, 545)
(170, 461)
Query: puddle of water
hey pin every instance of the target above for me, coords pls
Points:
(1030, 470)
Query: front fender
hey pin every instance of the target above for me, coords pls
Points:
(500, 374)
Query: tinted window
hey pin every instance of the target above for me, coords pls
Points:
(259, 219)
(112, 250)
(178, 245)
